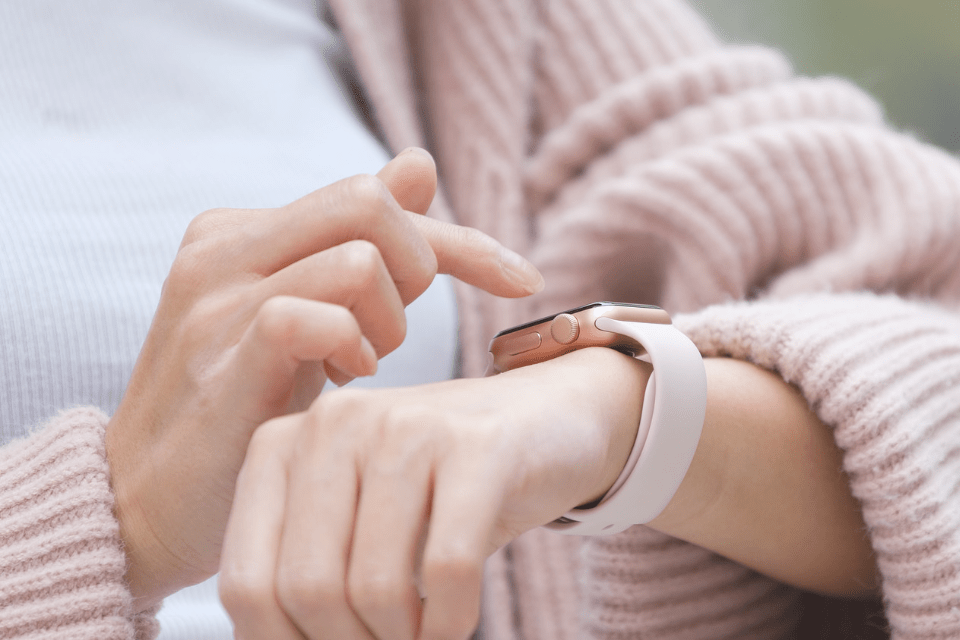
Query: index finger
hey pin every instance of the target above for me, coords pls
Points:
(462, 518)
(466, 254)
(414, 247)
(369, 208)
(472, 256)
(357, 208)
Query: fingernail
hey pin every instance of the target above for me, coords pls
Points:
(415, 150)
(521, 271)
(368, 356)
(402, 153)
(418, 151)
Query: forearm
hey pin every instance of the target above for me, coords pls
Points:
(766, 488)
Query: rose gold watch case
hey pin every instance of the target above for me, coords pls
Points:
(556, 335)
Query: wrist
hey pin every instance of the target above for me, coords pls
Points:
(766, 487)
(152, 571)
(619, 384)
(700, 487)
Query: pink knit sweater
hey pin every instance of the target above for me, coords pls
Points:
(634, 157)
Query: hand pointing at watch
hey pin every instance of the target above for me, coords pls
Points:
(259, 306)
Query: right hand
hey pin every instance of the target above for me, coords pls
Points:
(259, 306)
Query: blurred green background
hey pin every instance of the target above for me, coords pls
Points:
(907, 54)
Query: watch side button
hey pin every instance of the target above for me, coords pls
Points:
(523, 343)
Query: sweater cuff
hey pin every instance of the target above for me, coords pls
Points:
(884, 374)
(62, 562)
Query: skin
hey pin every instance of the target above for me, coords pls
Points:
(766, 487)
(218, 448)
(260, 307)
(393, 545)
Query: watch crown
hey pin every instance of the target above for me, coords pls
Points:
(565, 328)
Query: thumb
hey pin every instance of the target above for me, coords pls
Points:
(411, 178)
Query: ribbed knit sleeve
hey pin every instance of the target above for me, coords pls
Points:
(672, 169)
(713, 174)
(642, 583)
(635, 157)
(62, 563)
(884, 374)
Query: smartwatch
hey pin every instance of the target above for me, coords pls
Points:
(674, 403)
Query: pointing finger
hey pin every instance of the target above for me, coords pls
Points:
(477, 259)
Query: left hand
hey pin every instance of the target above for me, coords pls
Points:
(332, 505)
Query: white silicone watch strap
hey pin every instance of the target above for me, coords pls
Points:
(675, 422)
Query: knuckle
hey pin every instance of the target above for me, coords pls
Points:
(189, 266)
(405, 423)
(197, 227)
(363, 262)
(369, 193)
(343, 419)
(372, 590)
(330, 408)
(399, 450)
(241, 597)
(263, 442)
(276, 321)
(303, 593)
(204, 225)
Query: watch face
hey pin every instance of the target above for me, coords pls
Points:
(592, 305)
(560, 333)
